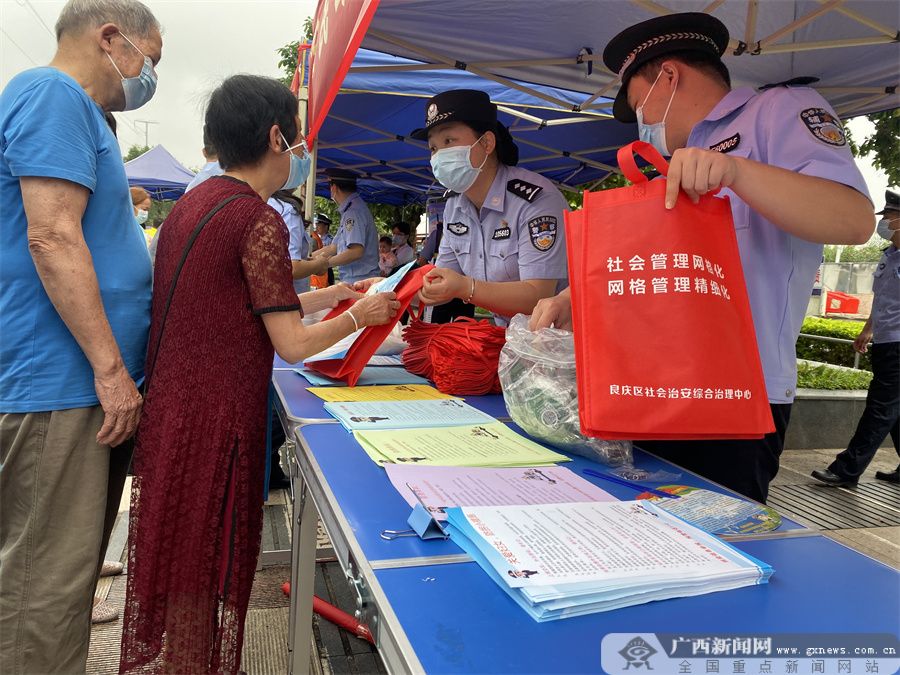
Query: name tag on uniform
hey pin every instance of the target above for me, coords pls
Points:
(502, 233)
(727, 145)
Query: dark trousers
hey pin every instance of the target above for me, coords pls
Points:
(747, 467)
(881, 416)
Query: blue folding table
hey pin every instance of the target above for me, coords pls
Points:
(431, 609)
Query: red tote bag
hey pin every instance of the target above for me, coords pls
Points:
(664, 341)
(350, 367)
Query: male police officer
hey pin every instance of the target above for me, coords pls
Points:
(882, 414)
(355, 246)
(782, 157)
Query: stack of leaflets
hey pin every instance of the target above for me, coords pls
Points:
(563, 560)
(490, 444)
(451, 412)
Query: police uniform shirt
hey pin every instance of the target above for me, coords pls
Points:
(886, 303)
(298, 244)
(357, 227)
(519, 234)
(795, 129)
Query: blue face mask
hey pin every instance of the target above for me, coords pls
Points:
(453, 167)
(299, 166)
(138, 90)
(654, 134)
(884, 229)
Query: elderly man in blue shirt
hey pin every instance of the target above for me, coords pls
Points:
(75, 309)
(782, 157)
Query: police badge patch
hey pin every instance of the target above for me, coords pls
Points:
(348, 224)
(824, 126)
(523, 189)
(458, 228)
(727, 145)
(542, 232)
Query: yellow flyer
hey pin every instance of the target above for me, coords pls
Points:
(392, 392)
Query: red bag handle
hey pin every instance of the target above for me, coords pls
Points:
(625, 157)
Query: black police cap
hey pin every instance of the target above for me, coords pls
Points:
(891, 202)
(341, 175)
(457, 105)
(322, 218)
(634, 46)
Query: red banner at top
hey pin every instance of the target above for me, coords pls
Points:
(339, 28)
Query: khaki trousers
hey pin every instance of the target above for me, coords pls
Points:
(55, 523)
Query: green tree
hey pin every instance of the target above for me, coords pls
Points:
(135, 151)
(883, 146)
(870, 252)
(287, 55)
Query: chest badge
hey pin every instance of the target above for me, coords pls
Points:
(542, 232)
(458, 229)
(824, 126)
(502, 232)
(348, 224)
(727, 145)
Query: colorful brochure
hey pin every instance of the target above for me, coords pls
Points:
(406, 414)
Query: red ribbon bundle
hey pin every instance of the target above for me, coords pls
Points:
(461, 357)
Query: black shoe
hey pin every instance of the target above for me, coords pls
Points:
(889, 476)
(832, 479)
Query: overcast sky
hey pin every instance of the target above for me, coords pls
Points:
(204, 41)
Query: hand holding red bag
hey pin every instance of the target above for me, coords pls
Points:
(350, 367)
(664, 339)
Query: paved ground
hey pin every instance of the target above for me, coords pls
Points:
(338, 652)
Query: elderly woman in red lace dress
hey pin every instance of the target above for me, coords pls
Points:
(197, 496)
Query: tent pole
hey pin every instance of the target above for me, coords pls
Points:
(824, 44)
(750, 28)
(799, 23)
(866, 21)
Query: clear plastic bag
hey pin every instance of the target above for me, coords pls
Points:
(537, 373)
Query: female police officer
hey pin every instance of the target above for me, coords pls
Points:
(503, 246)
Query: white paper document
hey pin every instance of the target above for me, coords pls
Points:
(441, 487)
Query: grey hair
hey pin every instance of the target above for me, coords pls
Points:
(131, 16)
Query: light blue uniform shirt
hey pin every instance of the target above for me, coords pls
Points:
(357, 227)
(517, 236)
(298, 244)
(50, 128)
(208, 171)
(795, 129)
(886, 303)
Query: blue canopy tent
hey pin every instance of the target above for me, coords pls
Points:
(850, 47)
(159, 173)
(368, 125)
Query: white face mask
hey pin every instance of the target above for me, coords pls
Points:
(884, 229)
(141, 216)
(654, 134)
(453, 167)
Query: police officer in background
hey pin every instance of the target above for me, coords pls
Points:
(782, 157)
(503, 246)
(354, 250)
(882, 414)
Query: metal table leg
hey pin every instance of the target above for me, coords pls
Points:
(303, 571)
